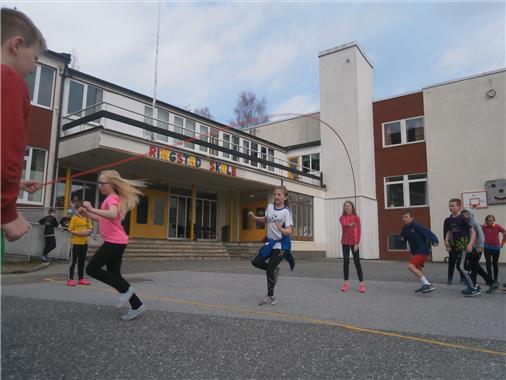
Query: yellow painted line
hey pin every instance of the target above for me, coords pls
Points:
(310, 320)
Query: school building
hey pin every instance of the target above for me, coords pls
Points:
(415, 150)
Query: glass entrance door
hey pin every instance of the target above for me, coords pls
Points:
(179, 217)
(205, 219)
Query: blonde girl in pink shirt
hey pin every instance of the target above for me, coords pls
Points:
(350, 223)
(121, 196)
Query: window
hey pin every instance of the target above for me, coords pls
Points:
(204, 136)
(293, 162)
(263, 151)
(270, 157)
(40, 85)
(406, 191)
(235, 147)
(178, 127)
(254, 153)
(302, 215)
(311, 163)
(162, 122)
(245, 150)
(83, 96)
(394, 243)
(214, 138)
(226, 144)
(190, 132)
(34, 169)
(403, 131)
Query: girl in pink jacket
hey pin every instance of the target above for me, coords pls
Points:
(493, 245)
(350, 240)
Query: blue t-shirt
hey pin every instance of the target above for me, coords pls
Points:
(460, 230)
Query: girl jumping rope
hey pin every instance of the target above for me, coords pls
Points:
(350, 240)
(278, 246)
(121, 196)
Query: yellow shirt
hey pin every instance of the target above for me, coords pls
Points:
(79, 223)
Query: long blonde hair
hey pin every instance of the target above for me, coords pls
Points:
(125, 188)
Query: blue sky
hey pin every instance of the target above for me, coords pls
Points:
(209, 52)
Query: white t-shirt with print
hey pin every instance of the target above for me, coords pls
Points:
(273, 216)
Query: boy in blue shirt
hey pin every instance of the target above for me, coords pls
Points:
(420, 239)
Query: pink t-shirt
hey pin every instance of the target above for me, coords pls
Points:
(111, 230)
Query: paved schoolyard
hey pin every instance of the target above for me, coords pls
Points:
(203, 322)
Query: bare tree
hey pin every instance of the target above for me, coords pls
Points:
(203, 111)
(249, 110)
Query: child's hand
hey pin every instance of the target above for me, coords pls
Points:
(87, 205)
(279, 225)
(30, 185)
(435, 244)
(251, 215)
(355, 248)
(469, 248)
(16, 229)
(351, 224)
(447, 247)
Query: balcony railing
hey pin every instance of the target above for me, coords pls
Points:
(211, 141)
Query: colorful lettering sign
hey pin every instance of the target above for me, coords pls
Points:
(222, 168)
(176, 157)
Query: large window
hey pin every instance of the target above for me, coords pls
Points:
(190, 132)
(33, 169)
(406, 191)
(302, 215)
(83, 96)
(395, 243)
(204, 136)
(245, 150)
(40, 85)
(311, 163)
(403, 131)
(226, 144)
(235, 147)
(270, 157)
(162, 122)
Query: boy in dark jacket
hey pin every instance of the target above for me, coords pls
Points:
(49, 222)
(420, 239)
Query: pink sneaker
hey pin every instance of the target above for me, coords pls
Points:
(361, 288)
(83, 281)
(345, 287)
(71, 282)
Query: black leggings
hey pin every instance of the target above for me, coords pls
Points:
(110, 256)
(269, 268)
(453, 262)
(475, 268)
(356, 260)
(492, 260)
(78, 255)
(49, 246)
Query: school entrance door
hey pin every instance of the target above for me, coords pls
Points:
(150, 217)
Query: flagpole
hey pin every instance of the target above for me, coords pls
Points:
(155, 79)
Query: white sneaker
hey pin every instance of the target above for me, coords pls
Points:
(125, 297)
(132, 314)
(268, 301)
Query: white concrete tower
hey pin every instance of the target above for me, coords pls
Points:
(346, 95)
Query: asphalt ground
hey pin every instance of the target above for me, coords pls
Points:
(203, 322)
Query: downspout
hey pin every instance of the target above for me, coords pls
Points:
(58, 129)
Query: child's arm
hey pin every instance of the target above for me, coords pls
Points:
(472, 240)
(89, 215)
(252, 215)
(447, 241)
(16, 229)
(287, 231)
(503, 232)
(112, 213)
(429, 235)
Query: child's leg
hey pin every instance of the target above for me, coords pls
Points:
(358, 266)
(114, 267)
(472, 265)
(495, 261)
(259, 262)
(73, 253)
(463, 272)
(80, 260)
(274, 260)
(346, 261)
(108, 255)
(488, 263)
(49, 246)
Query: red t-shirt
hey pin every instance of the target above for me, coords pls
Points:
(15, 112)
(351, 235)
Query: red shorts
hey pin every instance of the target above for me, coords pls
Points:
(418, 260)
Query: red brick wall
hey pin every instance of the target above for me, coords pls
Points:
(398, 160)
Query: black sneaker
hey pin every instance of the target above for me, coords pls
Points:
(427, 288)
(471, 292)
(419, 289)
(492, 288)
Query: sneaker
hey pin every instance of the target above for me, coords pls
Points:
(267, 301)
(83, 281)
(71, 282)
(450, 280)
(125, 297)
(492, 288)
(419, 289)
(44, 258)
(361, 288)
(133, 313)
(427, 288)
(345, 287)
(471, 292)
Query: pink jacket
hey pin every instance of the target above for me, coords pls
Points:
(351, 235)
(492, 235)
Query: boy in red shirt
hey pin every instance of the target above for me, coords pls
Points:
(21, 44)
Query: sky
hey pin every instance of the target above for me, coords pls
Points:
(210, 51)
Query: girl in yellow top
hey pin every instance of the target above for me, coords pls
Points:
(80, 227)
